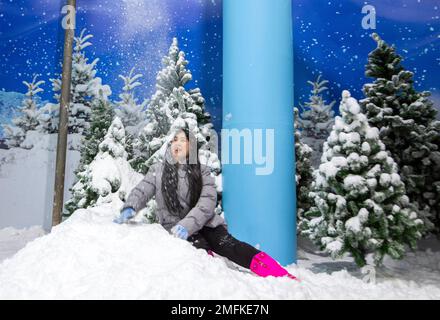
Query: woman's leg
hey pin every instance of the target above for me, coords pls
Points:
(198, 241)
(229, 247)
(242, 253)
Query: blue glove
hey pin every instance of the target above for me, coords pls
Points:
(180, 232)
(125, 215)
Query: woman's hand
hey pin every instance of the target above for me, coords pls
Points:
(125, 215)
(179, 232)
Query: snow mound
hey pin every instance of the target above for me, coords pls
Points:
(89, 257)
(12, 240)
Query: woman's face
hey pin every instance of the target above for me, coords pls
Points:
(180, 146)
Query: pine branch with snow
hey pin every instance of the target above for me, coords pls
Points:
(407, 123)
(360, 206)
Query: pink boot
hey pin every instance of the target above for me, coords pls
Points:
(211, 253)
(264, 265)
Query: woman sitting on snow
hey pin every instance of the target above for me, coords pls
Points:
(186, 197)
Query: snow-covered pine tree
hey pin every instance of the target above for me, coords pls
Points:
(14, 136)
(29, 113)
(48, 118)
(407, 123)
(128, 110)
(360, 204)
(85, 86)
(170, 102)
(304, 171)
(102, 114)
(29, 119)
(316, 119)
(431, 138)
(103, 177)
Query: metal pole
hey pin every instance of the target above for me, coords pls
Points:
(58, 199)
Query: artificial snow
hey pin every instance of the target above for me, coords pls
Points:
(331, 168)
(354, 224)
(353, 181)
(395, 179)
(366, 148)
(90, 257)
(385, 179)
(372, 133)
(334, 246)
(12, 240)
(27, 182)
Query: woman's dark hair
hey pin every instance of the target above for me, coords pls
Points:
(170, 178)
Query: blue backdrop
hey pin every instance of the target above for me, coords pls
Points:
(329, 39)
(127, 34)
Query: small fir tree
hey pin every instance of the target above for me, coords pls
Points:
(316, 119)
(360, 206)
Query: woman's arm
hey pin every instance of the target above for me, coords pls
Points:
(204, 209)
(143, 192)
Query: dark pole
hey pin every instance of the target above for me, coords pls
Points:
(69, 26)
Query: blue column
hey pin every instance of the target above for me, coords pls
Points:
(258, 98)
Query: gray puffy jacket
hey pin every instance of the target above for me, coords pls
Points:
(193, 219)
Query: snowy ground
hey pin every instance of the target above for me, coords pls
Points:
(89, 257)
(12, 240)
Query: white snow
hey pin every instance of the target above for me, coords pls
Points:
(331, 168)
(89, 257)
(372, 183)
(27, 181)
(339, 125)
(354, 224)
(346, 94)
(385, 179)
(106, 174)
(353, 181)
(381, 155)
(12, 240)
(372, 133)
(349, 104)
(333, 137)
(366, 148)
(32, 137)
(332, 245)
(395, 179)
(353, 138)
(373, 172)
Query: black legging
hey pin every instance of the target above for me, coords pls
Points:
(221, 242)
